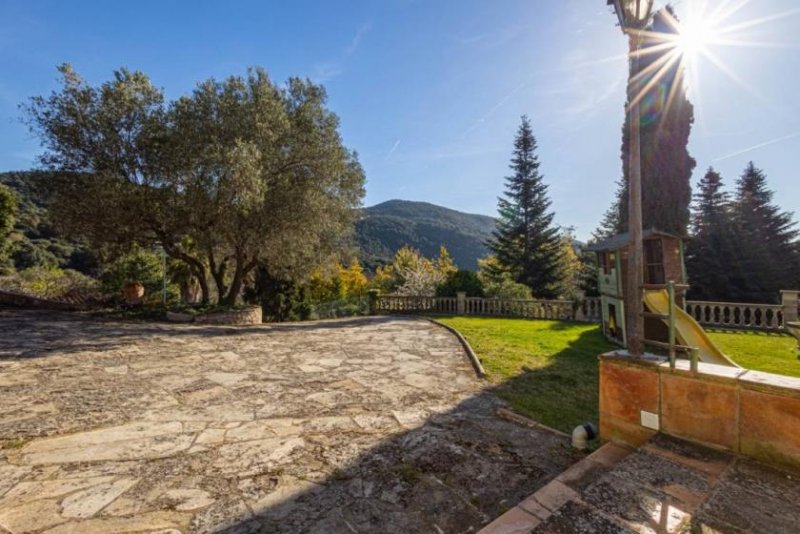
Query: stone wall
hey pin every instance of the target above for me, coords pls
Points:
(246, 316)
(745, 412)
(18, 300)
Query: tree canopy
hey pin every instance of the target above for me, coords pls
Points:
(8, 212)
(239, 174)
(742, 249)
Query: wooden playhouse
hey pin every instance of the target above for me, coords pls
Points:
(663, 262)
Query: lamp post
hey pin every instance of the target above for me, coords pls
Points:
(633, 16)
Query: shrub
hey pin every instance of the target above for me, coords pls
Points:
(349, 307)
(33, 253)
(138, 265)
(507, 289)
(51, 282)
(461, 280)
(280, 299)
(498, 282)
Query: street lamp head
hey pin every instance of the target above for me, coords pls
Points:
(633, 14)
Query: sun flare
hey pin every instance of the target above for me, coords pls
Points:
(683, 43)
(693, 38)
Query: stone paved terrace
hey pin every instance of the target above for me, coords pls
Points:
(666, 486)
(369, 425)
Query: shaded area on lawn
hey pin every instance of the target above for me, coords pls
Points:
(546, 370)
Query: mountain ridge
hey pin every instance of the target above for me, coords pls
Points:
(385, 227)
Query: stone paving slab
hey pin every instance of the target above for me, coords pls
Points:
(366, 425)
(666, 486)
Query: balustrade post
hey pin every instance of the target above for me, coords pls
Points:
(577, 306)
(789, 301)
(461, 303)
(372, 295)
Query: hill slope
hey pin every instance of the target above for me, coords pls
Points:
(386, 227)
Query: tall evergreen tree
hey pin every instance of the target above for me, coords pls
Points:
(768, 239)
(611, 224)
(526, 242)
(666, 122)
(713, 262)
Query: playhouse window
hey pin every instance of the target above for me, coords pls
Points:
(654, 262)
(608, 261)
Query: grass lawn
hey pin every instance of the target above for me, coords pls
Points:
(547, 370)
(762, 351)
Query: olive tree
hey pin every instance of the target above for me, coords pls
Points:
(239, 174)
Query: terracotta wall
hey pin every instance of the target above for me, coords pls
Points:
(746, 412)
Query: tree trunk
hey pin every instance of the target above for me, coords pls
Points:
(218, 272)
(204, 294)
(196, 266)
(238, 281)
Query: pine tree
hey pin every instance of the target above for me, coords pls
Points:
(713, 261)
(666, 122)
(526, 242)
(768, 239)
(611, 224)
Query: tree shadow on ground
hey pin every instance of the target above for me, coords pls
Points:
(452, 469)
(455, 472)
(54, 332)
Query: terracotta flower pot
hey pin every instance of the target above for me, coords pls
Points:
(133, 292)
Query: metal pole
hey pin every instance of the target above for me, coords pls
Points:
(164, 277)
(671, 292)
(635, 249)
(695, 359)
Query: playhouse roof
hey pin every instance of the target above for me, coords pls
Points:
(620, 241)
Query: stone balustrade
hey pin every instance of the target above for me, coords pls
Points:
(587, 310)
(746, 315)
(736, 315)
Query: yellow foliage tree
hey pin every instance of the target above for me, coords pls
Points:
(337, 282)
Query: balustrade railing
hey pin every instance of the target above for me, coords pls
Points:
(737, 315)
(587, 310)
(768, 317)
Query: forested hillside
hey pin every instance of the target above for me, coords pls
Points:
(386, 227)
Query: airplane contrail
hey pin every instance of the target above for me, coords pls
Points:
(759, 145)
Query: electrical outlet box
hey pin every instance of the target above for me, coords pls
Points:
(649, 420)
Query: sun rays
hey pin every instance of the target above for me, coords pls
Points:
(671, 55)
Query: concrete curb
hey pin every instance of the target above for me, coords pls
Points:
(473, 358)
(514, 417)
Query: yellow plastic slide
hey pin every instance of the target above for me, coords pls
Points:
(687, 330)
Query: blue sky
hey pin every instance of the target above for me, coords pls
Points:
(430, 92)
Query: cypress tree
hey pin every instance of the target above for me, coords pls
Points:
(768, 239)
(666, 122)
(526, 242)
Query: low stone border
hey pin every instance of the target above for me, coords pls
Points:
(19, 300)
(473, 358)
(514, 417)
(244, 317)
